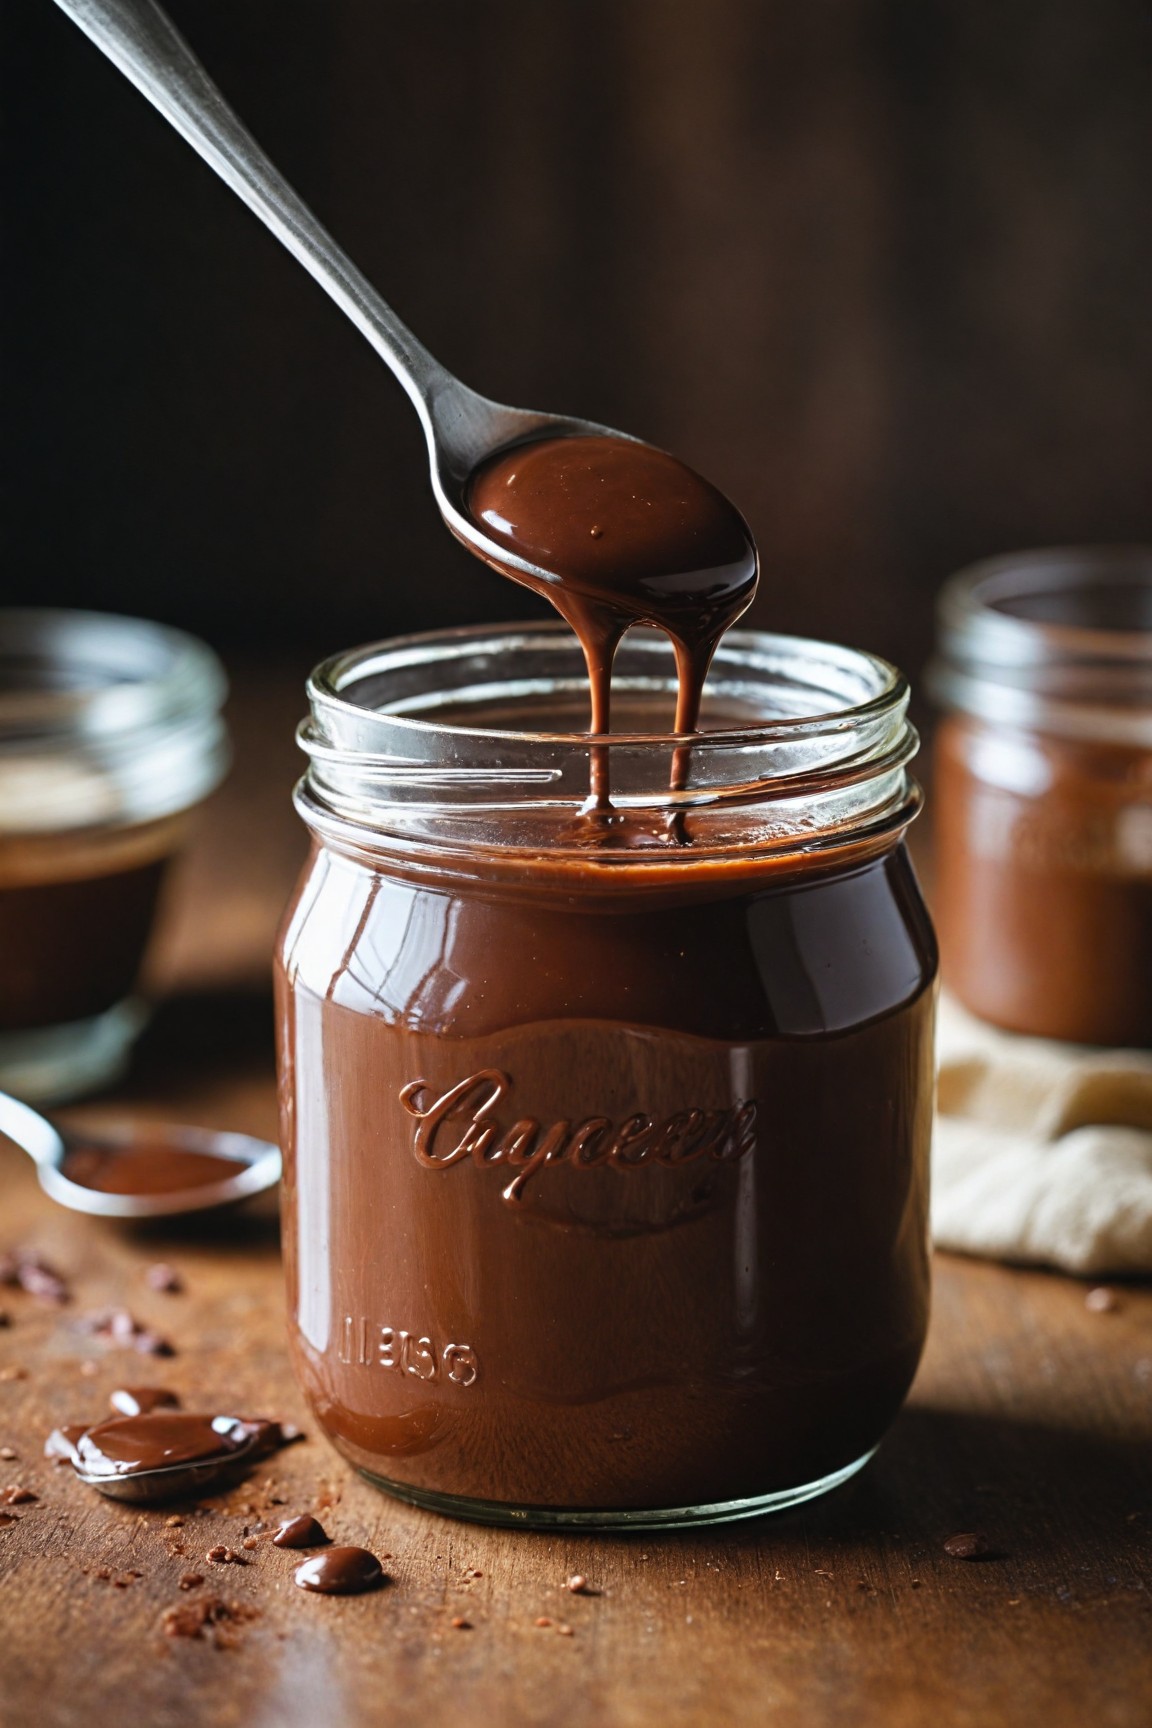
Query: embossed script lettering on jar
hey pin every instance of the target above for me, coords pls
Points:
(462, 1123)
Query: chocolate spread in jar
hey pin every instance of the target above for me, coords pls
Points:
(614, 1199)
(1044, 881)
(76, 911)
(629, 535)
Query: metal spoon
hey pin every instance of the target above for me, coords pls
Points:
(258, 1165)
(462, 428)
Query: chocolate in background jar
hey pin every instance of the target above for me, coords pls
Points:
(110, 735)
(1043, 793)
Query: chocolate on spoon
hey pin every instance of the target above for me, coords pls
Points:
(166, 1172)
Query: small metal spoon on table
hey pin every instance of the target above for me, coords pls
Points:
(462, 428)
(258, 1165)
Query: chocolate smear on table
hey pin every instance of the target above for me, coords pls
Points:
(341, 1572)
(26, 1269)
(142, 1400)
(302, 1532)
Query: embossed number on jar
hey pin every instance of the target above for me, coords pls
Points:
(368, 1343)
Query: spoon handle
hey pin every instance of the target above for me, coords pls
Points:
(30, 1131)
(139, 39)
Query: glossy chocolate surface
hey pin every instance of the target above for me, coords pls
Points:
(301, 1532)
(623, 1194)
(341, 1572)
(629, 535)
(163, 1439)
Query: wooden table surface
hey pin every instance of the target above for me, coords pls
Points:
(1031, 1421)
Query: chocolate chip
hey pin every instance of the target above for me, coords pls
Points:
(967, 1545)
(25, 1269)
(165, 1279)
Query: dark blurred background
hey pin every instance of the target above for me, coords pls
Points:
(882, 270)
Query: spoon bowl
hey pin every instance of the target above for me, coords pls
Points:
(257, 1163)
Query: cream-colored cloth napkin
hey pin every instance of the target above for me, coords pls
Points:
(1043, 1151)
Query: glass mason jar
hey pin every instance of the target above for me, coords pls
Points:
(110, 735)
(606, 1144)
(1043, 792)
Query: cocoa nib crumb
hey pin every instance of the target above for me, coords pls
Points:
(967, 1545)
(17, 1495)
(578, 1585)
(459, 1624)
(222, 1556)
(542, 1620)
(164, 1279)
(13, 1372)
(5, 1317)
(25, 1269)
(1102, 1300)
(122, 1330)
(190, 1580)
(564, 1629)
(7, 1453)
(208, 1616)
(7, 1518)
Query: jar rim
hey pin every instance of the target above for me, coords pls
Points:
(987, 601)
(1055, 639)
(824, 756)
(114, 675)
(329, 680)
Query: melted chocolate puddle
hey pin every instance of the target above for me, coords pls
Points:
(341, 1572)
(302, 1532)
(630, 535)
(141, 1168)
